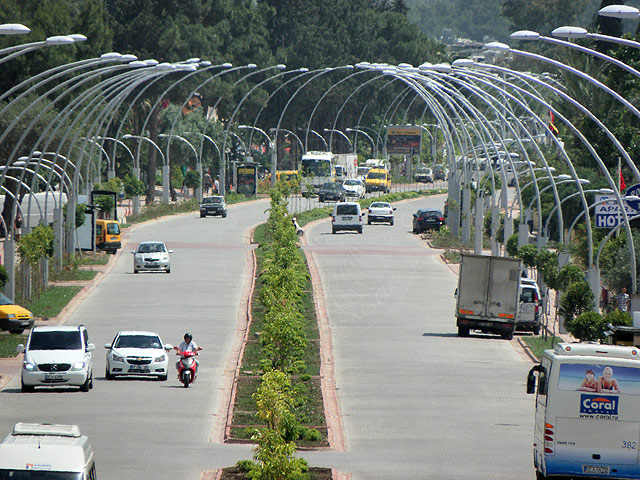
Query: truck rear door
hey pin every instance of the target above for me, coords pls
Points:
(503, 289)
(473, 287)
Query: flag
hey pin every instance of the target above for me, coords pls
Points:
(621, 178)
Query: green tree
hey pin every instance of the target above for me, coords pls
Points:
(575, 301)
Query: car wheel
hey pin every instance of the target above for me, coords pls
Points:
(85, 386)
(26, 388)
(415, 230)
(333, 230)
(91, 381)
(507, 335)
(162, 378)
(368, 222)
(360, 229)
(135, 270)
(202, 215)
(391, 222)
(536, 330)
(224, 215)
(463, 331)
(108, 375)
(168, 270)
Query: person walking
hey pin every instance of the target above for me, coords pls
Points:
(623, 301)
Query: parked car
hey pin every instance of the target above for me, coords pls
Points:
(137, 353)
(439, 172)
(14, 318)
(380, 212)
(529, 308)
(331, 191)
(427, 219)
(151, 257)
(424, 175)
(346, 216)
(57, 356)
(214, 205)
(353, 187)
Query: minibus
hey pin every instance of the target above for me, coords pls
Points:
(587, 418)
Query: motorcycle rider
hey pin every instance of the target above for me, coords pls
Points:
(187, 346)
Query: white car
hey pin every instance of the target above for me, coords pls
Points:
(137, 353)
(346, 216)
(380, 212)
(57, 356)
(353, 187)
(151, 257)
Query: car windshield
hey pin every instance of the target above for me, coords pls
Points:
(55, 340)
(423, 170)
(212, 200)
(38, 475)
(352, 182)
(526, 295)
(330, 186)
(380, 205)
(151, 248)
(4, 300)
(347, 210)
(430, 213)
(113, 228)
(316, 167)
(138, 341)
(377, 175)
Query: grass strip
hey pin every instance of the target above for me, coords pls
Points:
(52, 301)
(539, 344)
(9, 342)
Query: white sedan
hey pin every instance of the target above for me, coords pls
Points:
(137, 353)
(380, 212)
(353, 187)
(151, 257)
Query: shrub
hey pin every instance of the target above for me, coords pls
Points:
(246, 465)
(618, 318)
(588, 326)
(512, 245)
(576, 300)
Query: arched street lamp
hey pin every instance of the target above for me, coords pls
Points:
(362, 132)
(331, 131)
(165, 169)
(14, 29)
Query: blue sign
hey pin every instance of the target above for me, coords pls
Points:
(595, 404)
(607, 210)
(634, 190)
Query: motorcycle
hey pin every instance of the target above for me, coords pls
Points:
(187, 368)
(299, 230)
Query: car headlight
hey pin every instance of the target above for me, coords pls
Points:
(28, 366)
(117, 358)
(161, 358)
(78, 366)
(11, 315)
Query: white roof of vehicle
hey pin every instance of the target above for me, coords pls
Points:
(57, 448)
(55, 328)
(597, 350)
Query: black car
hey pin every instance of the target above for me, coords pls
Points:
(214, 205)
(439, 173)
(331, 192)
(427, 219)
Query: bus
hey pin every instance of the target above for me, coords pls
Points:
(316, 169)
(587, 419)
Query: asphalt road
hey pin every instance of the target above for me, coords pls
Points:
(159, 430)
(416, 400)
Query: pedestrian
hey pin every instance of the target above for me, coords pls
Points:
(623, 301)
(207, 183)
(217, 185)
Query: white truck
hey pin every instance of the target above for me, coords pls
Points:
(488, 295)
(316, 169)
(345, 166)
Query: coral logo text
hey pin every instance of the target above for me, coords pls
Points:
(599, 404)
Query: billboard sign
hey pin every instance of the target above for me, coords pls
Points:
(404, 139)
(608, 213)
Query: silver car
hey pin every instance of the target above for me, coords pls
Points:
(151, 257)
(137, 353)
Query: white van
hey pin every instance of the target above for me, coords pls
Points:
(528, 317)
(346, 216)
(40, 450)
(587, 420)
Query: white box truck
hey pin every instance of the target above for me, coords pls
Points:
(487, 295)
(587, 418)
(345, 166)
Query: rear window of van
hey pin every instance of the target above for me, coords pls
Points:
(347, 210)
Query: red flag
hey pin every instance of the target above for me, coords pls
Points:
(622, 184)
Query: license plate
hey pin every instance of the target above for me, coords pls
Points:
(53, 376)
(347, 218)
(139, 369)
(595, 469)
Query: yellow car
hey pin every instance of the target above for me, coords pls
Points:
(14, 318)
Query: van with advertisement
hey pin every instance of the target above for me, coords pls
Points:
(587, 418)
(41, 450)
